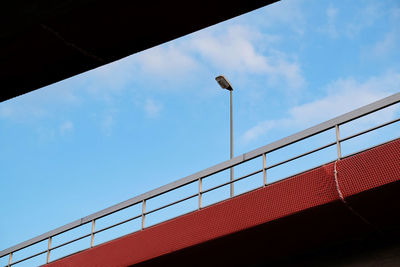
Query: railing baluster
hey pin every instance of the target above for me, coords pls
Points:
(339, 151)
(92, 234)
(232, 183)
(48, 250)
(200, 194)
(143, 212)
(10, 259)
(265, 169)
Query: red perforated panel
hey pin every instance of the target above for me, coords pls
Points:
(307, 190)
(304, 192)
(370, 169)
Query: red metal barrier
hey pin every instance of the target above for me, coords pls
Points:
(296, 213)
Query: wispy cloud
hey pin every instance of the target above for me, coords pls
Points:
(170, 59)
(341, 96)
(231, 49)
(37, 104)
(395, 13)
(388, 41)
(235, 50)
(364, 18)
(107, 124)
(387, 45)
(23, 111)
(152, 108)
(287, 13)
(66, 127)
(330, 27)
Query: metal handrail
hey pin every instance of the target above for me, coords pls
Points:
(197, 177)
(370, 130)
(231, 182)
(170, 204)
(301, 155)
(116, 224)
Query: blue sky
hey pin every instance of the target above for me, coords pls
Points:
(101, 137)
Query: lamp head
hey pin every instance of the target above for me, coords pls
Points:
(224, 83)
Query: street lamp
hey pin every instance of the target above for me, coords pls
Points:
(225, 84)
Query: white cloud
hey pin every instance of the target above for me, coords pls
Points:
(388, 44)
(341, 96)
(45, 134)
(259, 130)
(35, 105)
(287, 13)
(330, 27)
(364, 18)
(290, 72)
(166, 60)
(22, 110)
(110, 79)
(234, 49)
(66, 127)
(5, 111)
(395, 14)
(152, 108)
(107, 124)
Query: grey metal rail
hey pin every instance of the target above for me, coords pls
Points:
(262, 151)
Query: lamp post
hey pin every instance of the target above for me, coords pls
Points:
(225, 84)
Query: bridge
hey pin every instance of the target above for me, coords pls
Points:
(48, 41)
(344, 209)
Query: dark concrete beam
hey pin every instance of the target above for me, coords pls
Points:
(42, 42)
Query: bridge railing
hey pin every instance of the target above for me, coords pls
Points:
(197, 180)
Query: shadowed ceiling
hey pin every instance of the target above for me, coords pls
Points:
(43, 42)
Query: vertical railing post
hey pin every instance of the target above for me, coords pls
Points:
(265, 169)
(339, 151)
(231, 133)
(10, 259)
(232, 184)
(48, 250)
(200, 194)
(143, 213)
(92, 234)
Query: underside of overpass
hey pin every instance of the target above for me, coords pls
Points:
(345, 213)
(43, 42)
